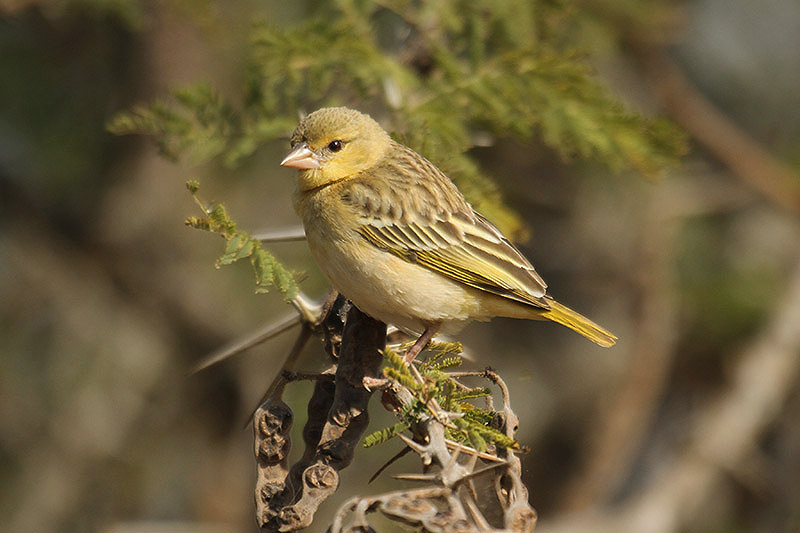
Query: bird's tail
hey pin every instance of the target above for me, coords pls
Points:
(579, 323)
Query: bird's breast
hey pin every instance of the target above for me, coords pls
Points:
(379, 283)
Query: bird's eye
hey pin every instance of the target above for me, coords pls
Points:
(335, 146)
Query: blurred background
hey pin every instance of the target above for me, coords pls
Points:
(107, 299)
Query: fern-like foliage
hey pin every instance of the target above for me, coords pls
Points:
(440, 394)
(440, 75)
(268, 271)
(383, 435)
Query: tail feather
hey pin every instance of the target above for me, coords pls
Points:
(575, 321)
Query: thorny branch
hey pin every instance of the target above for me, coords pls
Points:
(287, 497)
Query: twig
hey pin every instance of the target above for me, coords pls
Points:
(396, 457)
(750, 162)
(280, 380)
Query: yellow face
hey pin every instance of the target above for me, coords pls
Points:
(333, 144)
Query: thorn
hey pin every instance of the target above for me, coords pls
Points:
(480, 472)
(310, 310)
(238, 346)
(372, 384)
(417, 447)
(292, 233)
(388, 463)
(453, 444)
(416, 477)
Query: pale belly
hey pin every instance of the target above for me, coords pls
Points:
(393, 290)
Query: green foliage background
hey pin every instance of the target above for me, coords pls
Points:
(441, 76)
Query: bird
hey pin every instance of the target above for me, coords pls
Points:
(392, 233)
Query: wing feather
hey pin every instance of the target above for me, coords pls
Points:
(493, 266)
(428, 222)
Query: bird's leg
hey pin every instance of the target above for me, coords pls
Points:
(421, 343)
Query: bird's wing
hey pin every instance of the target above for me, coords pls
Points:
(464, 247)
(408, 207)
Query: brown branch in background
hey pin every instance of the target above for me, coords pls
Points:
(622, 425)
(715, 132)
(722, 439)
(619, 430)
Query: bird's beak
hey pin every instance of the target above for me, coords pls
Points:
(301, 157)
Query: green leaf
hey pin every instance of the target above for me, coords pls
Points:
(238, 246)
(478, 392)
(381, 436)
(267, 270)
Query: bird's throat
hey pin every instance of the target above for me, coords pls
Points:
(315, 180)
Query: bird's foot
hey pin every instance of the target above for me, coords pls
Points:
(420, 345)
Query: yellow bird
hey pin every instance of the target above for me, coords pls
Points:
(394, 235)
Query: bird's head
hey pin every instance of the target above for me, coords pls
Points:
(334, 143)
